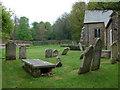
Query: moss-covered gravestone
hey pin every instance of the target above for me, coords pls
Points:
(48, 53)
(10, 51)
(59, 64)
(114, 53)
(55, 53)
(22, 52)
(65, 51)
(97, 55)
(86, 62)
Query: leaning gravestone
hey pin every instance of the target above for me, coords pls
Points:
(55, 53)
(65, 51)
(48, 53)
(80, 46)
(97, 55)
(10, 51)
(86, 63)
(114, 53)
(22, 52)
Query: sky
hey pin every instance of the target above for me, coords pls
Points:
(40, 10)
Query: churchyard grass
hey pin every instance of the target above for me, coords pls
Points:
(13, 75)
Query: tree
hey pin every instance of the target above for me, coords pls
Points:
(76, 19)
(49, 31)
(7, 23)
(104, 5)
(34, 30)
(23, 32)
(62, 28)
(41, 31)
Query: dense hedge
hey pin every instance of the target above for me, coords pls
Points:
(47, 42)
(51, 42)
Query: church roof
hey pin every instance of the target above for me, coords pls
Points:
(95, 16)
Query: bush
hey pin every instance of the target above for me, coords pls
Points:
(51, 42)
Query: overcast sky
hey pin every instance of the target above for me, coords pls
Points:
(40, 10)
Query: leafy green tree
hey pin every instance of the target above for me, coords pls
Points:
(57, 27)
(41, 31)
(34, 30)
(23, 32)
(104, 6)
(76, 19)
(62, 28)
(49, 31)
(7, 24)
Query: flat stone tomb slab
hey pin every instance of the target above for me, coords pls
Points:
(37, 67)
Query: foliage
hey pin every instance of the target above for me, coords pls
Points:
(13, 75)
(23, 32)
(7, 24)
(51, 42)
(41, 31)
(104, 6)
(62, 28)
(76, 19)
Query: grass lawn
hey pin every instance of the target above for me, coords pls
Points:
(66, 76)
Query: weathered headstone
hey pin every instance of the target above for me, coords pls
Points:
(73, 43)
(106, 54)
(59, 64)
(10, 51)
(22, 52)
(55, 53)
(65, 51)
(59, 59)
(80, 46)
(97, 55)
(86, 62)
(114, 53)
(48, 53)
(74, 47)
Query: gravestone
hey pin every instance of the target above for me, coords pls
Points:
(97, 55)
(48, 53)
(59, 64)
(65, 51)
(37, 67)
(55, 53)
(106, 54)
(86, 61)
(114, 53)
(10, 51)
(80, 46)
(22, 52)
(59, 59)
(74, 47)
(73, 43)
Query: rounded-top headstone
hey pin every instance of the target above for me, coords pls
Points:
(10, 51)
(97, 55)
(48, 53)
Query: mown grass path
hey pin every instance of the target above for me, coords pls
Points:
(66, 76)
